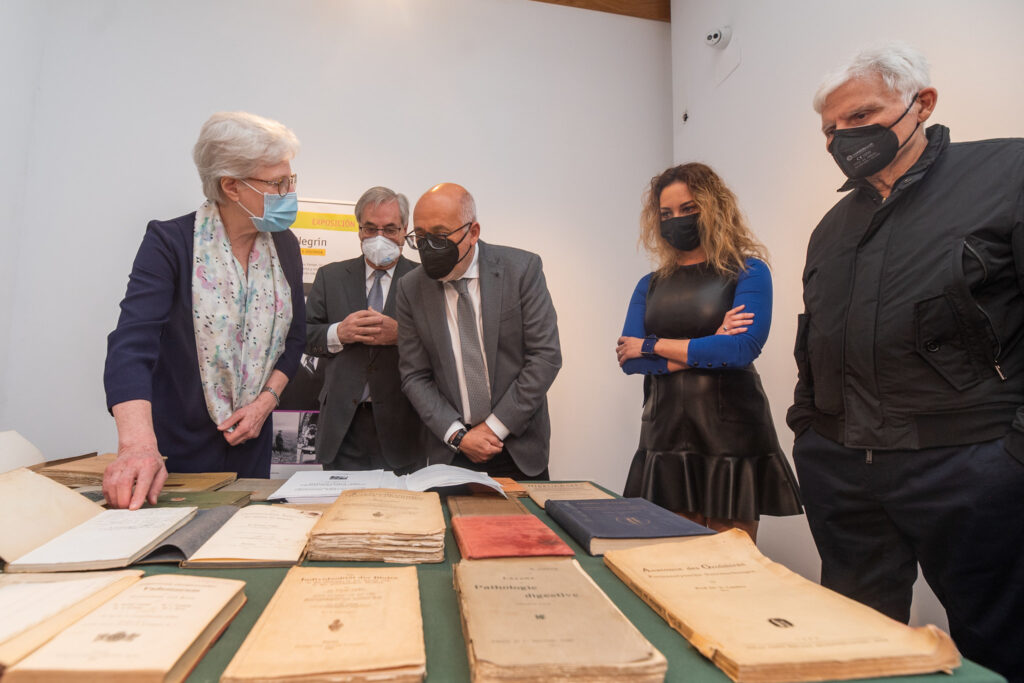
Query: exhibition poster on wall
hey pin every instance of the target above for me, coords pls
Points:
(327, 232)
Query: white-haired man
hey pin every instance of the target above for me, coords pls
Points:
(909, 408)
(366, 422)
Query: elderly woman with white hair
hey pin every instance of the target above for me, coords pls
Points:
(212, 324)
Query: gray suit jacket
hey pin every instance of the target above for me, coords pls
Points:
(520, 333)
(338, 290)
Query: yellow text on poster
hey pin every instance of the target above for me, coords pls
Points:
(310, 220)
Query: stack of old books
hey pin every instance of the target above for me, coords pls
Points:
(88, 471)
(380, 525)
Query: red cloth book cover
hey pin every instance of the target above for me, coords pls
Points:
(506, 536)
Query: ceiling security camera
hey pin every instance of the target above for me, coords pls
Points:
(718, 37)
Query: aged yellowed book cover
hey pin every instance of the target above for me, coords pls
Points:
(484, 505)
(89, 472)
(543, 491)
(155, 630)
(384, 525)
(337, 623)
(36, 607)
(80, 471)
(761, 623)
(383, 511)
(545, 619)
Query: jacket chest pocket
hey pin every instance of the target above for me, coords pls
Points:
(943, 341)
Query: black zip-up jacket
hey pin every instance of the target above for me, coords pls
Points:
(912, 334)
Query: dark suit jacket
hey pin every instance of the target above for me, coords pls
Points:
(520, 333)
(338, 290)
(151, 355)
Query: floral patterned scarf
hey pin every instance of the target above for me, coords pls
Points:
(241, 315)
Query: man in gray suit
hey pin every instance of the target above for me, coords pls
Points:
(478, 342)
(366, 422)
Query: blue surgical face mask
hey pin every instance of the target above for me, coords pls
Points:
(278, 212)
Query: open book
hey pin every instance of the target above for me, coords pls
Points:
(155, 630)
(36, 607)
(59, 530)
(324, 486)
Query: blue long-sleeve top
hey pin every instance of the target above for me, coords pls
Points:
(753, 291)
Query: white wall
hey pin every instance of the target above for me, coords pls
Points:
(553, 117)
(757, 128)
(19, 26)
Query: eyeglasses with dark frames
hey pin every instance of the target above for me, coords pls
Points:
(427, 240)
(389, 231)
(284, 184)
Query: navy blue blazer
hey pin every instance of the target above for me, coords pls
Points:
(151, 355)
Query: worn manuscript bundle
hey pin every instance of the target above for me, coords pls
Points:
(337, 624)
(89, 472)
(761, 623)
(156, 630)
(380, 525)
(539, 620)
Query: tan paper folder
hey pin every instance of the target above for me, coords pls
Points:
(761, 623)
(350, 624)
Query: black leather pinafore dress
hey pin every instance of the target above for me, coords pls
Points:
(707, 441)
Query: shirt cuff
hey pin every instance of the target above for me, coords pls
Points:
(456, 426)
(333, 345)
(700, 353)
(497, 426)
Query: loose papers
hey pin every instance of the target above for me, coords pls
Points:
(324, 486)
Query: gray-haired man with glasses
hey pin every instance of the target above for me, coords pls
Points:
(366, 422)
(478, 342)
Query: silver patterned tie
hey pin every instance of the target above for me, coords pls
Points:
(477, 386)
(375, 300)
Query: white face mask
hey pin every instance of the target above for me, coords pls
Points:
(380, 251)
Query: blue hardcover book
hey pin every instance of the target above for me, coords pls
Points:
(618, 523)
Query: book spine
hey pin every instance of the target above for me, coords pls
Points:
(565, 516)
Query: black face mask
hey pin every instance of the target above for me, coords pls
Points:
(438, 263)
(681, 232)
(866, 150)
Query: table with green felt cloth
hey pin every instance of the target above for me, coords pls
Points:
(442, 631)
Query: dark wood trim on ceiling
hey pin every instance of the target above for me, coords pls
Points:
(658, 10)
